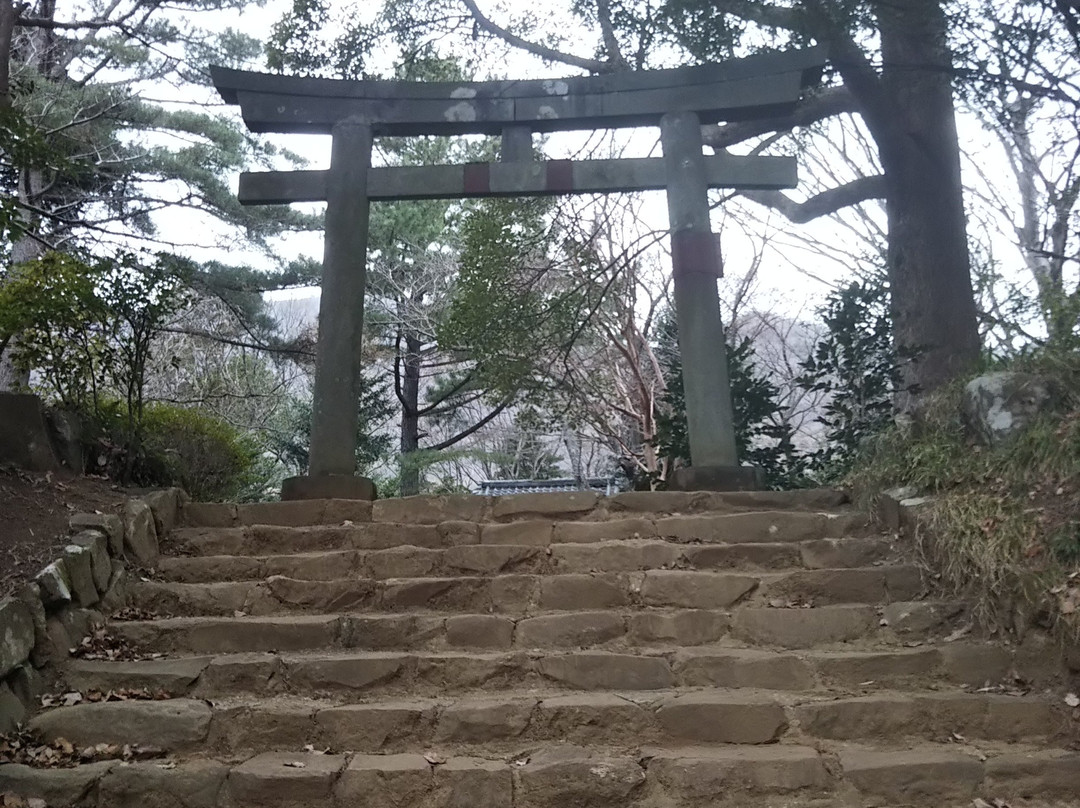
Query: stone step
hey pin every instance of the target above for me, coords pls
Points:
(559, 776)
(506, 722)
(636, 627)
(435, 509)
(436, 673)
(630, 555)
(529, 594)
(704, 528)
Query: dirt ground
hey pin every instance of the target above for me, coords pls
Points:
(34, 513)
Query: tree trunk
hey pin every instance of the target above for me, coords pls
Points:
(933, 304)
(410, 417)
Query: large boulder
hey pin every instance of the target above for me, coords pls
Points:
(998, 405)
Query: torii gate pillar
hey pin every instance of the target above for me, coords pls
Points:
(695, 268)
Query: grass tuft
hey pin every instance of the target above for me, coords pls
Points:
(1003, 529)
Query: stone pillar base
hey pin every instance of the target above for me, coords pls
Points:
(717, 478)
(328, 486)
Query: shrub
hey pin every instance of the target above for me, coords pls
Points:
(207, 457)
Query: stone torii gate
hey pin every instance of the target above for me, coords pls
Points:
(679, 101)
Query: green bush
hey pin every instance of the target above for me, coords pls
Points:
(207, 457)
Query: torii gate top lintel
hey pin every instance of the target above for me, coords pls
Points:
(758, 86)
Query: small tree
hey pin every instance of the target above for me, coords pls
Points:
(856, 364)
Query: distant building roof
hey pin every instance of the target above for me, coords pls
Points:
(602, 485)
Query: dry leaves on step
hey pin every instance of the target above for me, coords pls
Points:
(998, 803)
(105, 647)
(70, 699)
(434, 758)
(29, 750)
(134, 613)
(294, 764)
(1072, 700)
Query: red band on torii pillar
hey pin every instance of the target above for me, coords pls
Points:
(560, 176)
(477, 178)
(695, 252)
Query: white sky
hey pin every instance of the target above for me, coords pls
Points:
(794, 277)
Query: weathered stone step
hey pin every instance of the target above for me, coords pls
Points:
(565, 775)
(510, 720)
(705, 528)
(630, 555)
(755, 626)
(353, 673)
(529, 594)
(435, 509)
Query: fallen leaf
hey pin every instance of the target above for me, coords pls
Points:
(434, 759)
(294, 764)
(1072, 700)
(978, 803)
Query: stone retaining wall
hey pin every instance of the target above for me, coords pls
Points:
(48, 617)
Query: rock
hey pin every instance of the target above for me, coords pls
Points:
(573, 630)
(116, 595)
(701, 776)
(722, 718)
(12, 712)
(100, 564)
(140, 534)
(16, 634)
(375, 727)
(195, 784)
(430, 510)
(28, 685)
(695, 590)
(174, 676)
(740, 668)
(209, 514)
(913, 777)
(570, 592)
(479, 631)
(79, 623)
(568, 776)
(887, 507)
(108, 523)
(475, 721)
(58, 787)
(60, 642)
(55, 584)
(66, 431)
(80, 566)
(999, 405)
(380, 781)
(30, 596)
(165, 505)
(599, 671)
(548, 504)
(274, 778)
(172, 724)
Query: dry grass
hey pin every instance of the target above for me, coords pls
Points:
(1004, 527)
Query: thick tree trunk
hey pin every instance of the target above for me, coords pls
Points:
(936, 331)
(410, 417)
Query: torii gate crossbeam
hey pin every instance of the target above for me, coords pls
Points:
(678, 100)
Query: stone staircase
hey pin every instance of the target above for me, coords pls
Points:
(662, 650)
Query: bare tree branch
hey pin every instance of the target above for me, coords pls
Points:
(825, 104)
(544, 52)
(824, 203)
